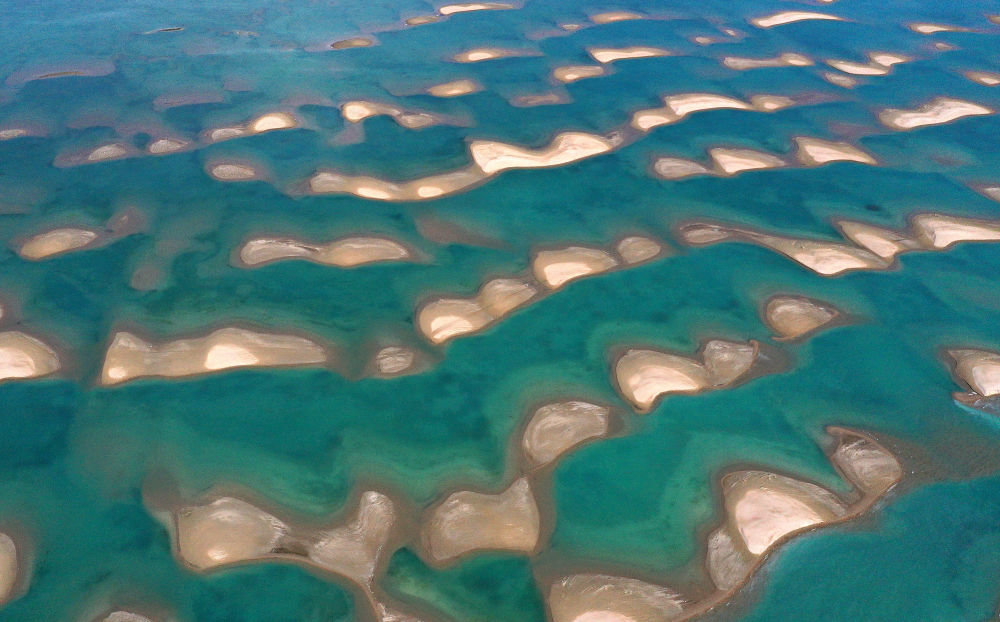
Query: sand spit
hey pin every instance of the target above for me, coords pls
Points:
(555, 429)
(130, 357)
(978, 369)
(446, 318)
(610, 55)
(476, 55)
(605, 598)
(353, 42)
(986, 78)
(103, 153)
(357, 111)
(572, 73)
(555, 268)
(930, 29)
(432, 187)
(56, 242)
(816, 152)
(8, 567)
(346, 252)
(609, 17)
(789, 17)
(493, 157)
(879, 64)
(470, 521)
(420, 20)
(455, 88)
(795, 317)
(644, 376)
(938, 110)
(451, 9)
(788, 59)
(227, 530)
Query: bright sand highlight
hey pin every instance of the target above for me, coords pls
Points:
(24, 356)
(938, 110)
(606, 598)
(344, 253)
(788, 17)
(792, 317)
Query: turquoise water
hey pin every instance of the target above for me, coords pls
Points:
(76, 456)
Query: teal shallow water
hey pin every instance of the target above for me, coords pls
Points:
(75, 456)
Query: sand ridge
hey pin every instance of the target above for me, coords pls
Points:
(347, 252)
(936, 111)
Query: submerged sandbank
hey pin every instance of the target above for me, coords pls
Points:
(455, 88)
(344, 252)
(129, 357)
(788, 59)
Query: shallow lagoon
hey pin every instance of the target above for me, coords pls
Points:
(79, 460)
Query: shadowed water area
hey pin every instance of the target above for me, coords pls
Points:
(248, 251)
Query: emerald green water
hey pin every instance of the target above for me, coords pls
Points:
(75, 456)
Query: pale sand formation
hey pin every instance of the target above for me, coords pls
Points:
(938, 232)
(994, 18)
(678, 168)
(162, 146)
(938, 110)
(879, 64)
(676, 107)
(24, 356)
(225, 133)
(113, 151)
(470, 521)
(125, 616)
(446, 318)
(554, 429)
(816, 152)
(420, 20)
(228, 530)
(451, 9)
(636, 249)
(476, 55)
(555, 268)
(353, 42)
(735, 161)
(838, 79)
(763, 509)
(788, 17)
(264, 123)
(826, 258)
(605, 598)
(771, 103)
(793, 317)
(56, 242)
(344, 253)
(455, 88)
(233, 171)
(886, 243)
(432, 187)
(572, 73)
(492, 156)
(394, 360)
(979, 369)
(610, 55)
(610, 17)
(992, 192)
(542, 99)
(986, 78)
(929, 29)
(9, 567)
(357, 111)
(12, 132)
(789, 59)
(644, 376)
(129, 357)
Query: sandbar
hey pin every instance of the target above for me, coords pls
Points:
(555, 268)
(445, 318)
(424, 188)
(838, 79)
(161, 146)
(357, 111)
(817, 151)
(886, 243)
(979, 369)
(567, 147)
(455, 88)
(609, 17)
(636, 249)
(986, 78)
(225, 531)
(788, 59)
(867, 465)
(476, 55)
(353, 42)
(129, 356)
(56, 242)
(734, 161)
(606, 598)
(12, 132)
(771, 103)
(394, 360)
(792, 317)
(788, 17)
(939, 232)
(450, 9)
(469, 521)
(609, 55)
(345, 252)
(643, 376)
(232, 171)
(938, 110)
(9, 567)
(353, 549)
(678, 168)
(929, 29)
(556, 428)
(572, 73)
(112, 151)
